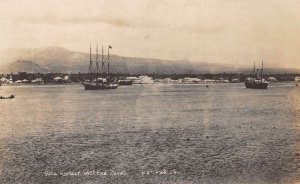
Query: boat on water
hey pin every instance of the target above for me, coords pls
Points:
(258, 82)
(99, 83)
(8, 97)
(97, 86)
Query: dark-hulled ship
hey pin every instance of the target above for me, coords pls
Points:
(99, 83)
(258, 82)
(96, 85)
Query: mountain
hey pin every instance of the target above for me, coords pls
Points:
(57, 59)
(25, 65)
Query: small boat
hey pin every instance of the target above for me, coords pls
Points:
(258, 82)
(8, 97)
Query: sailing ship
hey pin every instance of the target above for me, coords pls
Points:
(99, 83)
(258, 82)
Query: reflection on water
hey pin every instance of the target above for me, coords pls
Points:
(220, 134)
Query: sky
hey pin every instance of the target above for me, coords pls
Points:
(214, 31)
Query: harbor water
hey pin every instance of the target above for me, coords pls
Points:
(152, 133)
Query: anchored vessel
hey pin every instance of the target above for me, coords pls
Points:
(258, 82)
(96, 85)
(99, 83)
(8, 97)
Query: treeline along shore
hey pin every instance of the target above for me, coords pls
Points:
(48, 78)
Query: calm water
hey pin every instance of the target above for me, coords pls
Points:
(150, 134)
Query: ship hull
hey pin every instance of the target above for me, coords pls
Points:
(89, 86)
(256, 85)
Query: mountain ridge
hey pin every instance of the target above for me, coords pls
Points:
(59, 59)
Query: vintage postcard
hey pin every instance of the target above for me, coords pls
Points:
(149, 91)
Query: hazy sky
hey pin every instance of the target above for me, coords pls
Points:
(219, 31)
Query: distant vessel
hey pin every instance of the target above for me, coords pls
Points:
(8, 97)
(96, 85)
(258, 82)
(99, 83)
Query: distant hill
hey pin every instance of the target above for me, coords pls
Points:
(57, 59)
(25, 65)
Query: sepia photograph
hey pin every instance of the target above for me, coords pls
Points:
(149, 92)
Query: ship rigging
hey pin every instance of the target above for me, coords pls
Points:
(96, 83)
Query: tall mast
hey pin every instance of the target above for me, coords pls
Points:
(262, 68)
(91, 62)
(102, 61)
(97, 62)
(254, 70)
(108, 62)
